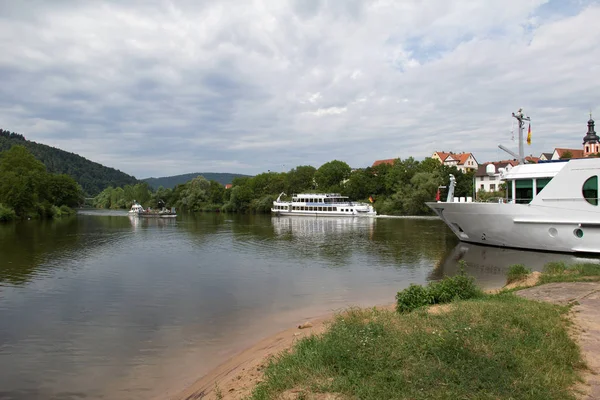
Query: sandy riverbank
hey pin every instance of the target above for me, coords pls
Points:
(236, 377)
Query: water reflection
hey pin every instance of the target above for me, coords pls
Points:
(489, 265)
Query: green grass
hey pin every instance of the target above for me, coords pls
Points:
(562, 272)
(492, 347)
(517, 272)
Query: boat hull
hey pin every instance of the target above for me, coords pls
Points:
(322, 213)
(524, 226)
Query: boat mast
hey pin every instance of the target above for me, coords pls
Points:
(521, 118)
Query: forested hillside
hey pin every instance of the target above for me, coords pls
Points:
(92, 177)
(169, 182)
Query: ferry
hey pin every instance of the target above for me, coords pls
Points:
(550, 206)
(321, 205)
(138, 211)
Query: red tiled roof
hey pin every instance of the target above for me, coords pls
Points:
(575, 153)
(442, 155)
(532, 159)
(228, 186)
(389, 161)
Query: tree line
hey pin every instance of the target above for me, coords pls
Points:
(398, 189)
(28, 190)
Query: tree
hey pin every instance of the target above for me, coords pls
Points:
(63, 190)
(360, 185)
(331, 175)
(300, 179)
(22, 180)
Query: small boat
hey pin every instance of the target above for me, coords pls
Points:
(138, 211)
(550, 206)
(321, 205)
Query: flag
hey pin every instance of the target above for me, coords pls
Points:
(438, 195)
(529, 135)
(371, 199)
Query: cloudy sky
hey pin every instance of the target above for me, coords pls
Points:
(158, 87)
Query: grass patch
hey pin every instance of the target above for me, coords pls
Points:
(492, 347)
(516, 272)
(562, 272)
(458, 287)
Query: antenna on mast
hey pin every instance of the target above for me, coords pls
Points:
(521, 118)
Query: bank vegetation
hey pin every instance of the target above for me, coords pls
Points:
(398, 189)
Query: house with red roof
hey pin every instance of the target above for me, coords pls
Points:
(389, 161)
(463, 161)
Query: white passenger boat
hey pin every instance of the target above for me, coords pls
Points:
(322, 204)
(138, 211)
(551, 206)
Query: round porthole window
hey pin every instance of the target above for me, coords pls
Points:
(578, 232)
(552, 232)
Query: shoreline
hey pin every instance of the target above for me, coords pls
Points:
(236, 377)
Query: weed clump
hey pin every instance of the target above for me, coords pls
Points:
(458, 287)
(516, 272)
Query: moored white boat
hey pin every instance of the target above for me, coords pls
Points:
(551, 206)
(138, 211)
(322, 204)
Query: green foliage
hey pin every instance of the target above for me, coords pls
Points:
(116, 198)
(413, 297)
(495, 347)
(7, 213)
(331, 175)
(516, 272)
(458, 287)
(91, 176)
(29, 190)
(300, 179)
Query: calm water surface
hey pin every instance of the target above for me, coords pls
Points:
(101, 306)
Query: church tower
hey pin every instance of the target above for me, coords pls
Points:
(591, 142)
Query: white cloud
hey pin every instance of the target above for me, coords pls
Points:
(238, 85)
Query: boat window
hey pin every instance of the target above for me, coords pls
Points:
(524, 191)
(509, 186)
(540, 184)
(590, 190)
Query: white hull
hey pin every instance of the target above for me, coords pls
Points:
(322, 213)
(525, 226)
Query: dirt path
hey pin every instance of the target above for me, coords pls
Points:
(586, 313)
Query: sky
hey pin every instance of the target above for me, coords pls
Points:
(166, 87)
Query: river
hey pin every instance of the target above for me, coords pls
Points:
(101, 306)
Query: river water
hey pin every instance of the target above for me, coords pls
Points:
(102, 306)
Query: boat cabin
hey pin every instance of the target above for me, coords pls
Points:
(330, 198)
(524, 182)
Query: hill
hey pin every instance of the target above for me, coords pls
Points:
(92, 177)
(169, 182)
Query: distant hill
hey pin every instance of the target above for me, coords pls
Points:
(92, 177)
(169, 182)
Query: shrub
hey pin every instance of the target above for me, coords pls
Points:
(458, 287)
(413, 297)
(7, 213)
(516, 272)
